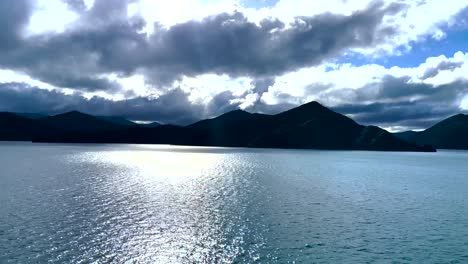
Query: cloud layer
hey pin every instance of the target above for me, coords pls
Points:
(276, 61)
(105, 40)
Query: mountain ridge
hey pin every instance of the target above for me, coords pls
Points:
(309, 126)
(450, 133)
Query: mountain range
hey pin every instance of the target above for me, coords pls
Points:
(309, 126)
(451, 133)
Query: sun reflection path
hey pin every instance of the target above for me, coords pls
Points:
(171, 165)
(178, 204)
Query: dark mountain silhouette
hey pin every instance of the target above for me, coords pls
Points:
(451, 133)
(78, 122)
(152, 124)
(310, 126)
(117, 120)
(406, 135)
(233, 129)
(32, 115)
(17, 128)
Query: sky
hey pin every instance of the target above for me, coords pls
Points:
(396, 64)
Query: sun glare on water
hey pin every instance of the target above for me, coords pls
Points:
(175, 199)
(173, 166)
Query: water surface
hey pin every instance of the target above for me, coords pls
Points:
(165, 204)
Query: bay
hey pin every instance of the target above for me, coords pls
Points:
(65, 203)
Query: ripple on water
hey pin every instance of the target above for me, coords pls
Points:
(150, 204)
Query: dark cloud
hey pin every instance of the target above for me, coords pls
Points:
(261, 86)
(80, 57)
(398, 114)
(461, 19)
(399, 102)
(78, 6)
(173, 107)
(104, 12)
(229, 43)
(65, 60)
(270, 109)
(390, 102)
(442, 66)
(14, 17)
(104, 40)
(393, 102)
(221, 103)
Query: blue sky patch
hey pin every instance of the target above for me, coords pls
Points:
(456, 40)
(259, 3)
